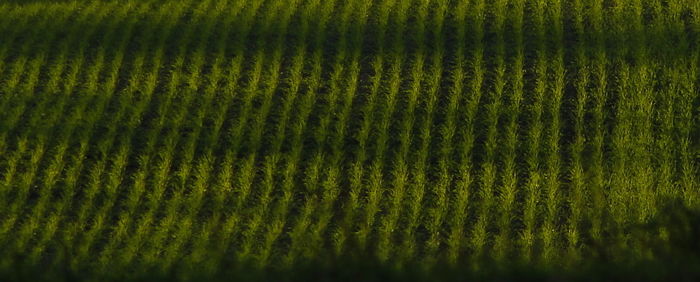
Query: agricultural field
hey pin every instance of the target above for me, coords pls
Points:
(328, 139)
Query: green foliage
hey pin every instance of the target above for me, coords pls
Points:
(209, 139)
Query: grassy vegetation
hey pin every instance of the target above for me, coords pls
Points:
(188, 139)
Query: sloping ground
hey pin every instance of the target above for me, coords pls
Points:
(180, 137)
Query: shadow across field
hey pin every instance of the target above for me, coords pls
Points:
(618, 39)
(676, 257)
